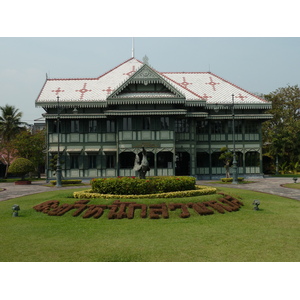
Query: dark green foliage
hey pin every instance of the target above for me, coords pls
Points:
(136, 186)
(21, 166)
(240, 179)
(281, 134)
(226, 156)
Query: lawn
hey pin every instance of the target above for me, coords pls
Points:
(270, 234)
(292, 185)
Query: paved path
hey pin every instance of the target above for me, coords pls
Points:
(265, 185)
(13, 191)
(271, 185)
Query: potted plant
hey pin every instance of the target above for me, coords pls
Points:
(20, 167)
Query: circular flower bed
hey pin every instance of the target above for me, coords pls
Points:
(197, 191)
(137, 186)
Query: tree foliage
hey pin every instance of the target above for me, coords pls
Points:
(21, 166)
(226, 156)
(281, 135)
(31, 146)
(10, 126)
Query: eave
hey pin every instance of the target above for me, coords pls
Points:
(144, 112)
(71, 104)
(241, 116)
(74, 116)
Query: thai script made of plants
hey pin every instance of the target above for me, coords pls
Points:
(120, 210)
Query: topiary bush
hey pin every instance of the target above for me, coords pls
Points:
(21, 167)
(137, 186)
(67, 181)
(240, 179)
(198, 191)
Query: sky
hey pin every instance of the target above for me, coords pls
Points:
(256, 64)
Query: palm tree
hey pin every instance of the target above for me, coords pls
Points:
(10, 125)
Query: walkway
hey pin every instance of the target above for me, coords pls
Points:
(269, 185)
(265, 185)
(13, 191)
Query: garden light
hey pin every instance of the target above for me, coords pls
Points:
(15, 209)
(256, 203)
(295, 179)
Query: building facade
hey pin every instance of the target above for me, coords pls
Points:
(182, 119)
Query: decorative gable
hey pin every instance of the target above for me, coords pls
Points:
(146, 85)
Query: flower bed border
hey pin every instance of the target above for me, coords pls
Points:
(199, 191)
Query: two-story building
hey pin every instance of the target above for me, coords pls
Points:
(181, 118)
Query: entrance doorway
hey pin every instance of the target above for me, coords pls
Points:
(182, 165)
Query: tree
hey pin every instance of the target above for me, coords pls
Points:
(281, 135)
(31, 146)
(10, 125)
(21, 166)
(226, 156)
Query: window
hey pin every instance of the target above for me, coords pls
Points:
(251, 127)
(217, 127)
(93, 125)
(110, 126)
(164, 123)
(74, 158)
(127, 160)
(252, 159)
(74, 126)
(202, 160)
(146, 123)
(127, 123)
(92, 161)
(202, 127)
(54, 126)
(215, 161)
(238, 127)
(110, 161)
(164, 160)
(182, 125)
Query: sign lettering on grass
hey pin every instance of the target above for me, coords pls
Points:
(120, 210)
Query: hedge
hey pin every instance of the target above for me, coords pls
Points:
(137, 186)
(240, 179)
(69, 181)
(198, 191)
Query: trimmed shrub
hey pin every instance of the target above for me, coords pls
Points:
(137, 186)
(198, 191)
(240, 179)
(21, 167)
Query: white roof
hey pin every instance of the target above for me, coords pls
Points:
(211, 88)
(194, 86)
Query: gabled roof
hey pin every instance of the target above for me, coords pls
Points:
(188, 86)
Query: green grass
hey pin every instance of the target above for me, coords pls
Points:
(292, 185)
(270, 234)
(19, 178)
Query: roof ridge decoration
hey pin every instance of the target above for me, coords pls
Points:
(245, 91)
(183, 86)
(145, 76)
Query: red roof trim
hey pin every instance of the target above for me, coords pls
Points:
(95, 78)
(239, 88)
(180, 84)
(217, 77)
